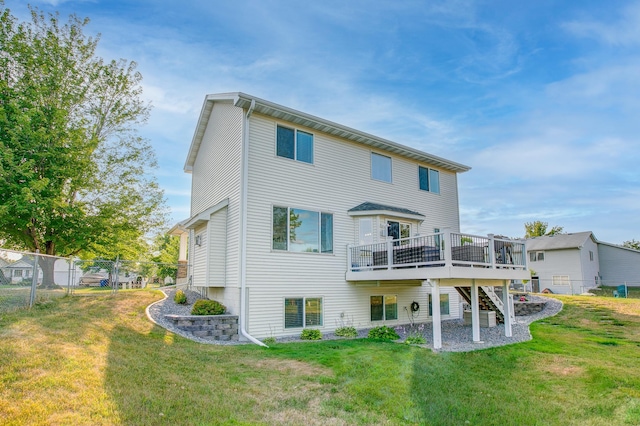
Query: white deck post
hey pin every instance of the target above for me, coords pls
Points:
(506, 303)
(475, 312)
(436, 318)
(492, 251)
(446, 236)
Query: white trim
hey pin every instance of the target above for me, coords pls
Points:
(387, 213)
(244, 189)
(205, 216)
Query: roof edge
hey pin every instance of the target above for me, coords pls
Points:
(278, 111)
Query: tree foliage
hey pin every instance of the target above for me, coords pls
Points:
(538, 228)
(166, 254)
(74, 174)
(632, 244)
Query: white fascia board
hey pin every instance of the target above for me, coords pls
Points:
(386, 213)
(205, 216)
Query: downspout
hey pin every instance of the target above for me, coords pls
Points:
(244, 185)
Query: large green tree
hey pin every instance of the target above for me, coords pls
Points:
(74, 173)
(538, 228)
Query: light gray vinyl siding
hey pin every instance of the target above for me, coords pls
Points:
(559, 262)
(200, 257)
(216, 176)
(590, 268)
(619, 265)
(339, 180)
(217, 233)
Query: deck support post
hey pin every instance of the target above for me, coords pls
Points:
(475, 312)
(435, 311)
(506, 303)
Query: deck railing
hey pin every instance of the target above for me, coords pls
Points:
(438, 250)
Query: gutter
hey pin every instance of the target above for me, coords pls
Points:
(244, 178)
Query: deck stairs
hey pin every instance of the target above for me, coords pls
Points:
(488, 300)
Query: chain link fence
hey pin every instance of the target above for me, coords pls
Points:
(27, 279)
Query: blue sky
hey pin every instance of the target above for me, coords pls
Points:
(541, 99)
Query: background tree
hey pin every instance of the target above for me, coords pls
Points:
(632, 244)
(166, 254)
(74, 175)
(539, 229)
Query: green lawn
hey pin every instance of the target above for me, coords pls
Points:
(98, 360)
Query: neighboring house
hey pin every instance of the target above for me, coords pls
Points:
(576, 262)
(19, 271)
(301, 222)
(618, 265)
(564, 263)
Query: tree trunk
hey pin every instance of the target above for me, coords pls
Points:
(47, 264)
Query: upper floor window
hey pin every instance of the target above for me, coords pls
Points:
(590, 255)
(380, 167)
(302, 230)
(294, 144)
(429, 179)
(536, 256)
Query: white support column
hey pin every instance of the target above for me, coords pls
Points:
(182, 254)
(435, 310)
(506, 303)
(475, 312)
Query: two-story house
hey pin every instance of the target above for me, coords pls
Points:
(300, 222)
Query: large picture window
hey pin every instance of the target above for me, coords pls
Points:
(302, 312)
(380, 167)
(444, 305)
(429, 179)
(384, 308)
(294, 144)
(303, 231)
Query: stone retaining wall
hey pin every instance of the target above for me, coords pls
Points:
(212, 327)
(528, 308)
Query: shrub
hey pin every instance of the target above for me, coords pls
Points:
(383, 332)
(208, 307)
(415, 340)
(346, 331)
(269, 341)
(311, 334)
(180, 298)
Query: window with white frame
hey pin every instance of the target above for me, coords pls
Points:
(561, 280)
(590, 255)
(380, 167)
(536, 256)
(300, 312)
(429, 179)
(294, 144)
(17, 273)
(303, 231)
(444, 304)
(384, 307)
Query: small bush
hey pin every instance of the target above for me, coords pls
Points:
(383, 332)
(346, 331)
(415, 340)
(269, 341)
(180, 298)
(311, 334)
(208, 307)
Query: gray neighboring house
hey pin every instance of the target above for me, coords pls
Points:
(576, 262)
(564, 263)
(619, 265)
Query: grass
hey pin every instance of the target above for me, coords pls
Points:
(98, 360)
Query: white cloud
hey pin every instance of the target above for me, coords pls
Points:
(625, 31)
